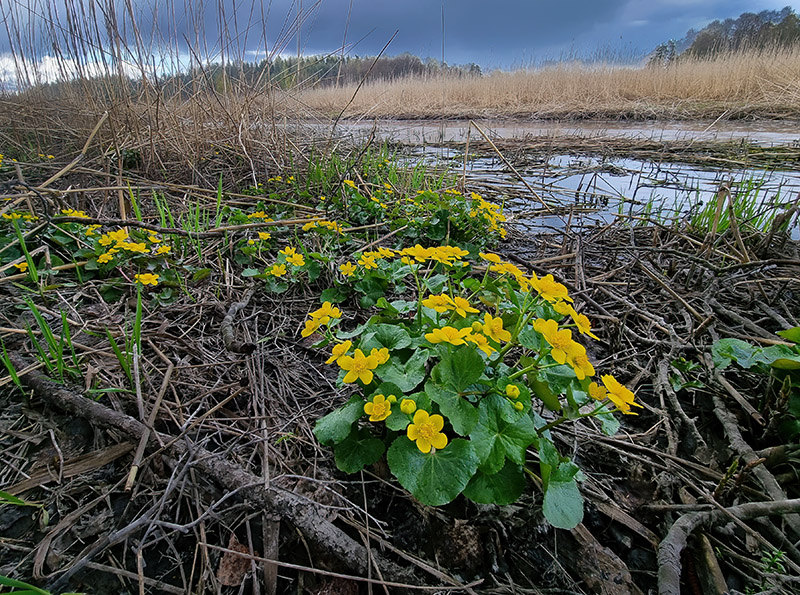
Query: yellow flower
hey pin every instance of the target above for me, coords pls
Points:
(90, 229)
(296, 260)
(358, 367)
(347, 269)
(22, 266)
(264, 235)
(74, 213)
(310, 328)
(368, 262)
(506, 268)
(426, 431)
(597, 392)
(259, 215)
(619, 394)
(448, 334)
(549, 289)
(154, 239)
(417, 252)
(512, 391)
(309, 225)
(288, 251)
(105, 257)
(382, 354)
(577, 358)
(583, 324)
(481, 342)
(326, 312)
(13, 215)
(385, 252)
(338, 351)
(408, 406)
(462, 307)
(559, 339)
(139, 247)
(277, 270)
(350, 183)
(493, 328)
(440, 303)
(113, 237)
(163, 250)
(564, 308)
(146, 278)
(378, 409)
(490, 257)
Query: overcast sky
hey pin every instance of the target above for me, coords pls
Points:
(503, 33)
(491, 33)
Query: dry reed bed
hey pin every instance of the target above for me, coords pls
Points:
(763, 84)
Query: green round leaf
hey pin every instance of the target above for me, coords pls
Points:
(503, 487)
(459, 368)
(434, 478)
(357, 451)
(460, 413)
(563, 504)
(335, 426)
(495, 439)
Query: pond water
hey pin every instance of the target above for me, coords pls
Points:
(591, 190)
(433, 131)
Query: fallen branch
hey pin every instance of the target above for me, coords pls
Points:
(300, 512)
(670, 548)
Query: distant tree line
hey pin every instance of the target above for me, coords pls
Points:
(766, 29)
(313, 71)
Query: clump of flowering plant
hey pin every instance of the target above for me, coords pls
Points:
(455, 372)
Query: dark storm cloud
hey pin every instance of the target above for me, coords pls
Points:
(488, 32)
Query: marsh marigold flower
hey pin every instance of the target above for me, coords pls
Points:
(347, 269)
(311, 327)
(481, 342)
(426, 431)
(146, 278)
(462, 307)
(382, 354)
(277, 270)
(338, 351)
(619, 394)
(493, 328)
(408, 406)
(379, 408)
(560, 339)
(325, 312)
(512, 391)
(106, 257)
(583, 324)
(296, 260)
(22, 266)
(577, 358)
(440, 303)
(448, 334)
(417, 252)
(549, 289)
(358, 367)
(368, 262)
